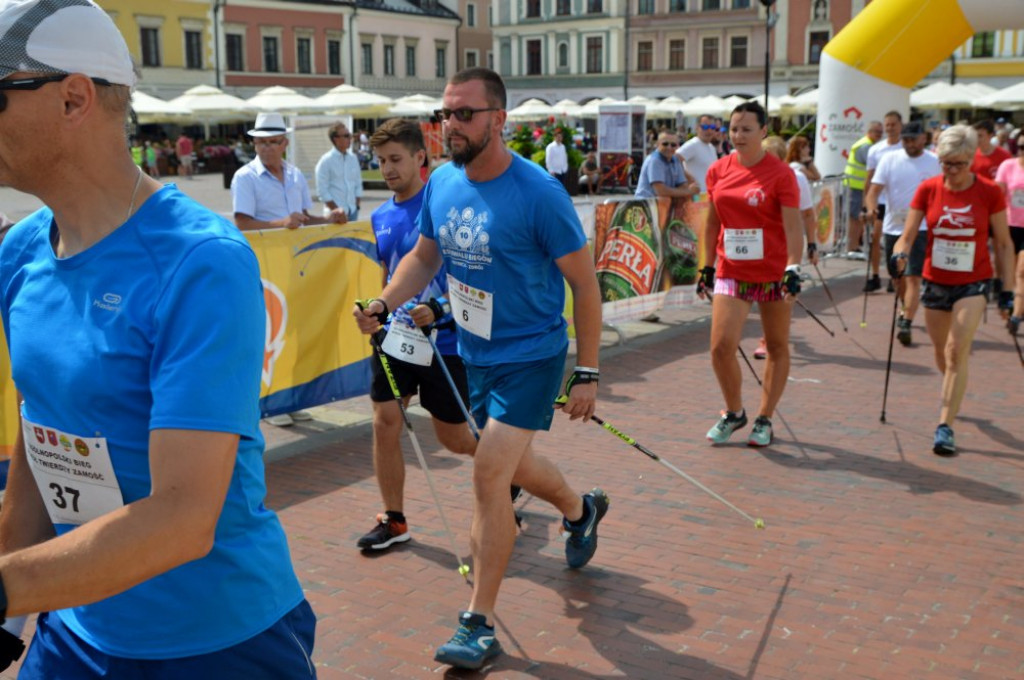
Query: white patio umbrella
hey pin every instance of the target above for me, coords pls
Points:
(709, 104)
(415, 106)
(350, 99)
(668, 107)
(803, 103)
(210, 105)
(589, 110)
(774, 104)
(282, 100)
(942, 95)
(531, 109)
(150, 109)
(567, 108)
(1008, 99)
(981, 89)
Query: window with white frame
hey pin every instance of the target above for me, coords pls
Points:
(563, 54)
(816, 41)
(367, 49)
(738, 51)
(472, 58)
(193, 49)
(441, 60)
(471, 15)
(271, 54)
(709, 53)
(645, 55)
(234, 44)
(410, 59)
(676, 55)
(149, 40)
(333, 57)
(389, 59)
(595, 54)
(304, 54)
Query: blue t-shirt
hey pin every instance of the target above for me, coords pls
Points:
(394, 226)
(503, 237)
(657, 168)
(159, 325)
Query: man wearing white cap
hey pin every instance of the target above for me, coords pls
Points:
(133, 518)
(268, 192)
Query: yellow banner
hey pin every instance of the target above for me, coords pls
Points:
(314, 352)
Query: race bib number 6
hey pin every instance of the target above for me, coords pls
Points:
(74, 474)
(472, 308)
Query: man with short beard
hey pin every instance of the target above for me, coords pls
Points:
(507, 234)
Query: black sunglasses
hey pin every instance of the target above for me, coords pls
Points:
(463, 115)
(35, 84)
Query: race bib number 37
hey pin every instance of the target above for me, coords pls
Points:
(74, 474)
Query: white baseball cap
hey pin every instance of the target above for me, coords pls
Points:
(63, 36)
(269, 125)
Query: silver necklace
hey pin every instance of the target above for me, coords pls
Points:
(135, 191)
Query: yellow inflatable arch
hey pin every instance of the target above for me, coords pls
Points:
(871, 65)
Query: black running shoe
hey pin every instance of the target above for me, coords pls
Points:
(385, 534)
(873, 284)
(903, 332)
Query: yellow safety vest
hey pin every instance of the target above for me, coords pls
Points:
(857, 173)
(137, 155)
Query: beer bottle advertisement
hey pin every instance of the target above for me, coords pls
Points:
(680, 252)
(628, 264)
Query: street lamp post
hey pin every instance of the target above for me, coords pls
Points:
(217, 5)
(769, 22)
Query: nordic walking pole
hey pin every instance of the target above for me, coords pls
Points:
(868, 230)
(1019, 352)
(758, 523)
(451, 383)
(811, 314)
(463, 568)
(888, 363)
(831, 299)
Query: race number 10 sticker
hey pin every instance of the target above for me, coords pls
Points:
(74, 474)
(472, 308)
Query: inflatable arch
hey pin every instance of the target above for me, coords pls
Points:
(871, 65)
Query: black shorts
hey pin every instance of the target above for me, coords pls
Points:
(915, 260)
(1017, 234)
(435, 393)
(942, 298)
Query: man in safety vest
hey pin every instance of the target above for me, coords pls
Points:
(856, 176)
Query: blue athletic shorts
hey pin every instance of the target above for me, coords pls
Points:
(282, 652)
(520, 394)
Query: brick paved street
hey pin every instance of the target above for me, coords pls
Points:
(879, 560)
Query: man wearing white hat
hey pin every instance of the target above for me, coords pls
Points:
(268, 192)
(133, 518)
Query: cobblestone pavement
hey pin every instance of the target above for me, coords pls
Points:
(879, 560)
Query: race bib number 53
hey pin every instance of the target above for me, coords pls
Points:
(74, 474)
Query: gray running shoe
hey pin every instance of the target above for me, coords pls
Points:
(726, 425)
(761, 435)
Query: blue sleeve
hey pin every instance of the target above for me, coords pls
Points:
(208, 342)
(557, 226)
(426, 224)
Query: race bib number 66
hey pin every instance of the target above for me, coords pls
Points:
(74, 474)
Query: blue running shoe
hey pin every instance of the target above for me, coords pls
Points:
(726, 425)
(582, 541)
(944, 445)
(472, 645)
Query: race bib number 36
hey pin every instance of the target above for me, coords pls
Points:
(74, 474)
(954, 256)
(472, 308)
(744, 244)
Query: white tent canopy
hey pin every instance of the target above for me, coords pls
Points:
(708, 104)
(415, 106)
(567, 108)
(942, 95)
(212, 105)
(805, 102)
(531, 109)
(589, 110)
(282, 100)
(350, 99)
(1007, 99)
(150, 109)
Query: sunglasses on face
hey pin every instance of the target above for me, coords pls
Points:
(463, 115)
(670, 144)
(35, 84)
(705, 126)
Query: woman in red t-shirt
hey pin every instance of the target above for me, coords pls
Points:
(753, 230)
(962, 209)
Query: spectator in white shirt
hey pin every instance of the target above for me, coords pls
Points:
(699, 152)
(339, 180)
(556, 158)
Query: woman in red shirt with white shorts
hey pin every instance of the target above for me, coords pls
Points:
(753, 230)
(962, 210)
